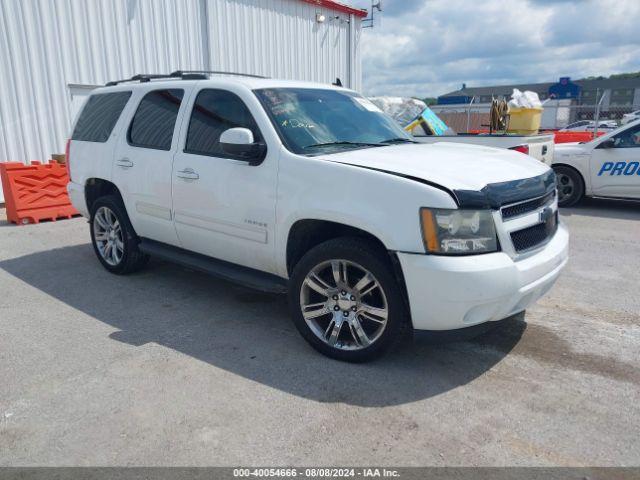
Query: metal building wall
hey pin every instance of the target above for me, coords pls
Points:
(282, 39)
(45, 45)
(52, 48)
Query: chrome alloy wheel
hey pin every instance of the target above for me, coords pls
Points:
(107, 233)
(344, 305)
(565, 185)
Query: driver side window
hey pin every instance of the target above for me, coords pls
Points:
(630, 138)
(215, 111)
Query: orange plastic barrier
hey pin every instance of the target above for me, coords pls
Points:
(560, 137)
(566, 137)
(479, 131)
(35, 192)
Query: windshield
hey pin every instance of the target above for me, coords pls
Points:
(312, 121)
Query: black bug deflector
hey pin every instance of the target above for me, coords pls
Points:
(495, 195)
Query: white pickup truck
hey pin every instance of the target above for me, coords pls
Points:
(306, 188)
(540, 147)
(608, 166)
(411, 113)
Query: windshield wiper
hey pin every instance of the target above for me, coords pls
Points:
(356, 144)
(398, 140)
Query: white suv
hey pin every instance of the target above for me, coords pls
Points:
(310, 189)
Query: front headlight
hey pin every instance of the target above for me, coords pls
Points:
(458, 232)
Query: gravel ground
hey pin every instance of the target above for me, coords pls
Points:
(171, 367)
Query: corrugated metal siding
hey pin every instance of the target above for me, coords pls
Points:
(281, 39)
(45, 45)
(50, 44)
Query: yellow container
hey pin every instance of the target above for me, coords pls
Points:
(525, 121)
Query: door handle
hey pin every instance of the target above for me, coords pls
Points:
(188, 173)
(124, 163)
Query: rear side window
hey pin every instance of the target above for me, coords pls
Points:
(215, 111)
(153, 124)
(99, 116)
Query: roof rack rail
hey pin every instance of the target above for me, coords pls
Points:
(147, 77)
(213, 72)
(181, 74)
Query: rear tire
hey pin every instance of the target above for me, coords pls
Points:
(114, 240)
(346, 302)
(570, 185)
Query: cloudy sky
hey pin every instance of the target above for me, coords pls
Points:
(430, 47)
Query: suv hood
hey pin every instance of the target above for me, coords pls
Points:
(453, 166)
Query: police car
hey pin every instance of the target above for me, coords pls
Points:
(608, 166)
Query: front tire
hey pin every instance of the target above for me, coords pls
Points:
(346, 302)
(570, 186)
(114, 240)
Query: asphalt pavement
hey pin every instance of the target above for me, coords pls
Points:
(172, 367)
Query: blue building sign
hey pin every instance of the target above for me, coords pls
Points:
(565, 88)
(454, 100)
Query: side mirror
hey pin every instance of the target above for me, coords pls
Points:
(608, 143)
(240, 143)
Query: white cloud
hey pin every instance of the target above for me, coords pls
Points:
(430, 47)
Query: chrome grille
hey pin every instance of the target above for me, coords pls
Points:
(527, 206)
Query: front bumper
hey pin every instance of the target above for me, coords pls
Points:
(455, 292)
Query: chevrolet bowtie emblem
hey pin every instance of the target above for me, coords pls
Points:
(545, 215)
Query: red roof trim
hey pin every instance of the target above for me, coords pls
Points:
(340, 7)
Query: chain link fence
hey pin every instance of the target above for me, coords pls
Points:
(475, 117)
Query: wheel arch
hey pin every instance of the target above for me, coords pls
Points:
(95, 188)
(305, 234)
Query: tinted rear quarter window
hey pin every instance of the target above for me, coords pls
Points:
(154, 121)
(215, 111)
(99, 116)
